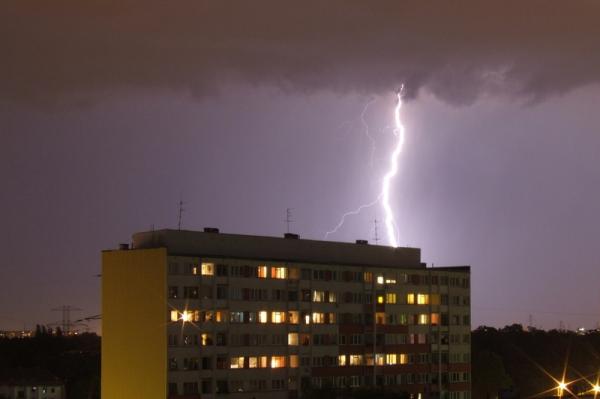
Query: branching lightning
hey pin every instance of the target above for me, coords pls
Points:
(384, 195)
(367, 132)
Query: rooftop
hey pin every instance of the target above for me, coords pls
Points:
(212, 243)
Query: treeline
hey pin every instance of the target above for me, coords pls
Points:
(524, 363)
(75, 359)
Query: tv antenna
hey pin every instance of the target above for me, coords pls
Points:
(376, 238)
(288, 218)
(181, 210)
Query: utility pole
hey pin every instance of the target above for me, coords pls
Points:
(66, 317)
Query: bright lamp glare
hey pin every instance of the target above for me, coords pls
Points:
(596, 388)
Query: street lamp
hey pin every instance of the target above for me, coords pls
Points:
(561, 388)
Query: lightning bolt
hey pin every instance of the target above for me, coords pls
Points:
(366, 127)
(385, 189)
(384, 195)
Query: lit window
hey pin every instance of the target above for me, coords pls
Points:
(277, 362)
(342, 360)
(174, 315)
(263, 316)
(220, 316)
(279, 272)
(307, 319)
(262, 362)
(194, 269)
(318, 296)
(332, 297)
(435, 319)
(380, 359)
(293, 339)
(380, 299)
(380, 317)
(205, 339)
(252, 362)
(423, 299)
(368, 277)
(331, 318)
(435, 299)
(262, 272)
(390, 281)
(390, 298)
(237, 362)
(379, 279)
(293, 361)
(356, 360)
(403, 358)
(294, 273)
(277, 317)
(208, 269)
(318, 318)
(423, 318)
(293, 317)
(410, 299)
(391, 359)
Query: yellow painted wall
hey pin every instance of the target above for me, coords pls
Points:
(134, 316)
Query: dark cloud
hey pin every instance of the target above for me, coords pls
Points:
(66, 50)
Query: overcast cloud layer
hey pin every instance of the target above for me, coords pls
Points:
(65, 50)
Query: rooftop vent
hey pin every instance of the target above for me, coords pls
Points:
(291, 236)
(123, 247)
(362, 242)
(211, 230)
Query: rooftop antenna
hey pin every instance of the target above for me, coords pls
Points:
(181, 210)
(288, 218)
(376, 232)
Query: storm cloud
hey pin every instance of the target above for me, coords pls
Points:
(57, 51)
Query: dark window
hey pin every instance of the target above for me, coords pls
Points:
(221, 339)
(221, 362)
(305, 274)
(222, 270)
(190, 388)
(306, 295)
(190, 292)
(222, 386)
(292, 296)
(173, 292)
(207, 385)
(206, 363)
(173, 388)
(221, 292)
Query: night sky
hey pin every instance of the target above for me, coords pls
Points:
(113, 111)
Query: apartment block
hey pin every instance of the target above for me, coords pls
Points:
(191, 314)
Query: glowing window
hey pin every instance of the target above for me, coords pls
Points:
(252, 362)
(174, 315)
(294, 361)
(380, 299)
(277, 317)
(356, 360)
(220, 316)
(435, 319)
(263, 362)
(307, 319)
(380, 359)
(263, 316)
(380, 317)
(293, 317)
(318, 318)
(277, 362)
(194, 269)
(205, 339)
(293, 339)
(435, 299)
(342, 360)
(237, 362)
(403, 358)
(423, 318)
(380, 280)
(208, 269)
(422, 299)
(390, 281)
(368, 277)
(279, 272)
(262, 272)
(331, 318)
(318, 296)
(410, 299)
(293, 273)
(390, 297)
(332, 297)
(391, 359)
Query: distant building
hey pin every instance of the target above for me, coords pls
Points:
(30, 384)
(209, 315)
(16, 334)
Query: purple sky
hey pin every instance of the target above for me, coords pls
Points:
(499, 171)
